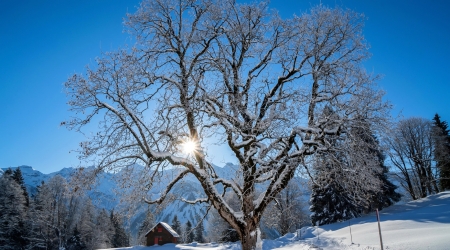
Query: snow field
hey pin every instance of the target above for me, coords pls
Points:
(422, 224)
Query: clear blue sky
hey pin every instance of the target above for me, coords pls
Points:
(43, 42)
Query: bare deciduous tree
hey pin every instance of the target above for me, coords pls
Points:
(287, 211)
(411, 145)
(239, 73)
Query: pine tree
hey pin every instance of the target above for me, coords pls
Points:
(330, 200)
(49, 229)
(386, 195)
(38, 229)
(8, 172)
(331, 203)
(441, 140)
(48, 212)
(13, 230)
(75, 242)
(87, 224)
(176, 225)
(104, 229)
(120, 238)
(229, 235)
(145, 226)
(199, 231)
(189, 232)
(17, 176)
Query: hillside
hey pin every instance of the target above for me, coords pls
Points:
(420, 224)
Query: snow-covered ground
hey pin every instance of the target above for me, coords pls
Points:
(421, 224)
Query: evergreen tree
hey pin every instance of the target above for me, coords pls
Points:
(330, 200)
(386, 195)
(60, 220)
(331, 203)
(87, 224)
(54, 211)
(147, 223)
(199, 231)
(13, 230)
(441, 140)
(176, 225)
(75, 242)
(39, 229)
(229, 235)
(8, 172)
(17, 176)
(104, 229)
(189, 232)
(120, 238)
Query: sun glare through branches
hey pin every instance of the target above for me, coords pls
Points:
(189, 146)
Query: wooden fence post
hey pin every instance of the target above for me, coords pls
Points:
(379, 229)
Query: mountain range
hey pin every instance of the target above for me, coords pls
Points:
(105, 195)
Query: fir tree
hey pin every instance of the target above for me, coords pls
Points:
(176, 225)
(75, 242)
(50, 214)
(229, 235)
(120, 238)
(189, 232)
(386, 195)
(199, 231)
(17, 176)
(8, 172)
(441, 139)
(145, 226)
(39, 237)
(87, 224)
(104, 229)
(331, 203)
(13, 230)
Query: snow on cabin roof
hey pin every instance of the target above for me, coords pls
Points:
(167, 227)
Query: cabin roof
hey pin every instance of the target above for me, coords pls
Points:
(167, 227)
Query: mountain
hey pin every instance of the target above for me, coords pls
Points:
(104, 194)
(33, 178)
(109, 192)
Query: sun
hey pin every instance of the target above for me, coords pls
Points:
(189, 146)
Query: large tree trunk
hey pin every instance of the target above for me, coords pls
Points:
(410, 187)
(432, 179)
(250, 233)
(423, 182)
(251, 237)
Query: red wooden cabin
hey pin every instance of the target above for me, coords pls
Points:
(161, 234)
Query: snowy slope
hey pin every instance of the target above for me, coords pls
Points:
(421, 224)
